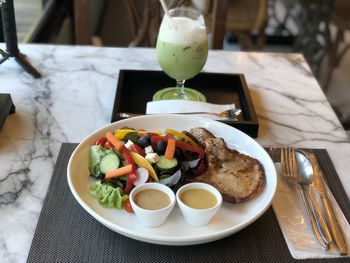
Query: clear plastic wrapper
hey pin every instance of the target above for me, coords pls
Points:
(295, 223)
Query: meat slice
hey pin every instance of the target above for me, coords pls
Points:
(237, 176)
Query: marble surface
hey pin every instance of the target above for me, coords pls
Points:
(75, 96)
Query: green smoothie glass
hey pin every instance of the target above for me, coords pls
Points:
(182, 50)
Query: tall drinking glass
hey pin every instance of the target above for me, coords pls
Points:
(182, 50)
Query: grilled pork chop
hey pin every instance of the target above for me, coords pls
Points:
(237, 176)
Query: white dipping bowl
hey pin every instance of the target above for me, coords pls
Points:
(152, 218)
(198, 217)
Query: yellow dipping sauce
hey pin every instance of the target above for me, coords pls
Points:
(198, 198)
(152, 199)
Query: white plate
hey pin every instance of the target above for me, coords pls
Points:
(230, 219)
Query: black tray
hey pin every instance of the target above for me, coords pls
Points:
(6, 108)
(136, 87)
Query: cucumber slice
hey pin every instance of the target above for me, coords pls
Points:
(165, 164)
(109, 162)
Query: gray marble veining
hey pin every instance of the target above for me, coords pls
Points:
(75, 97)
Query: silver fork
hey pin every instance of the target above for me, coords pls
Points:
(290, 172)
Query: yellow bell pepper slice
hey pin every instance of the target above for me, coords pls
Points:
(142, 162)
(181, 135)
(120, 134)
(141, 133)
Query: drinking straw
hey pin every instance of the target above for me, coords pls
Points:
(165, 8)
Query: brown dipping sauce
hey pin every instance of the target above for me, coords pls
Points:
(199, 198)
(152, 199)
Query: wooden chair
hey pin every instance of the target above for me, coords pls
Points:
(241, 17)
(144, 16)
(341, 20)
(218, 23)
(82, 30)
(145, 22)
(245, 17)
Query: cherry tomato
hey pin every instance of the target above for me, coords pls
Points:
(108, 145)
(101, 141)
(127, 206)
(201, 168)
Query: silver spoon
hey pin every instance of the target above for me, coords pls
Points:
(305, 178)
(230, 114)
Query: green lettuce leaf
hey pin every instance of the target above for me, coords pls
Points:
(107, 195)
(96, 154)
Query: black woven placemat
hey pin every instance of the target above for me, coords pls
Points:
(66, 233)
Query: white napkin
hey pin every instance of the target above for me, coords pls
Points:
(295, 225)
(181, 106)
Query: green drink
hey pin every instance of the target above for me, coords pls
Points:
(182, 61)
(182, 50)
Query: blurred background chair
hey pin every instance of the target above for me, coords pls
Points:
(340, 19)
(240, 17)
(145, 20)
(137, 24)
(247, 17)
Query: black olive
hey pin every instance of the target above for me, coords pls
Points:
(132, 136)
(144, 141)
(161, 147)
(179, 154)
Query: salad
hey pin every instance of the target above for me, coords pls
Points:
(127, 157)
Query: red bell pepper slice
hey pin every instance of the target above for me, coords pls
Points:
(137, 149)
(181, 144)
(191, 148)
(132, 176)
(156, 138)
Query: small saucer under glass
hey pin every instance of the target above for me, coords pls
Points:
(176, 94)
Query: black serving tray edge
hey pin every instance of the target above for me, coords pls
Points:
(247, 121)
(6, 107)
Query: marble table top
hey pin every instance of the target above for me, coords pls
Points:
(75, 96)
